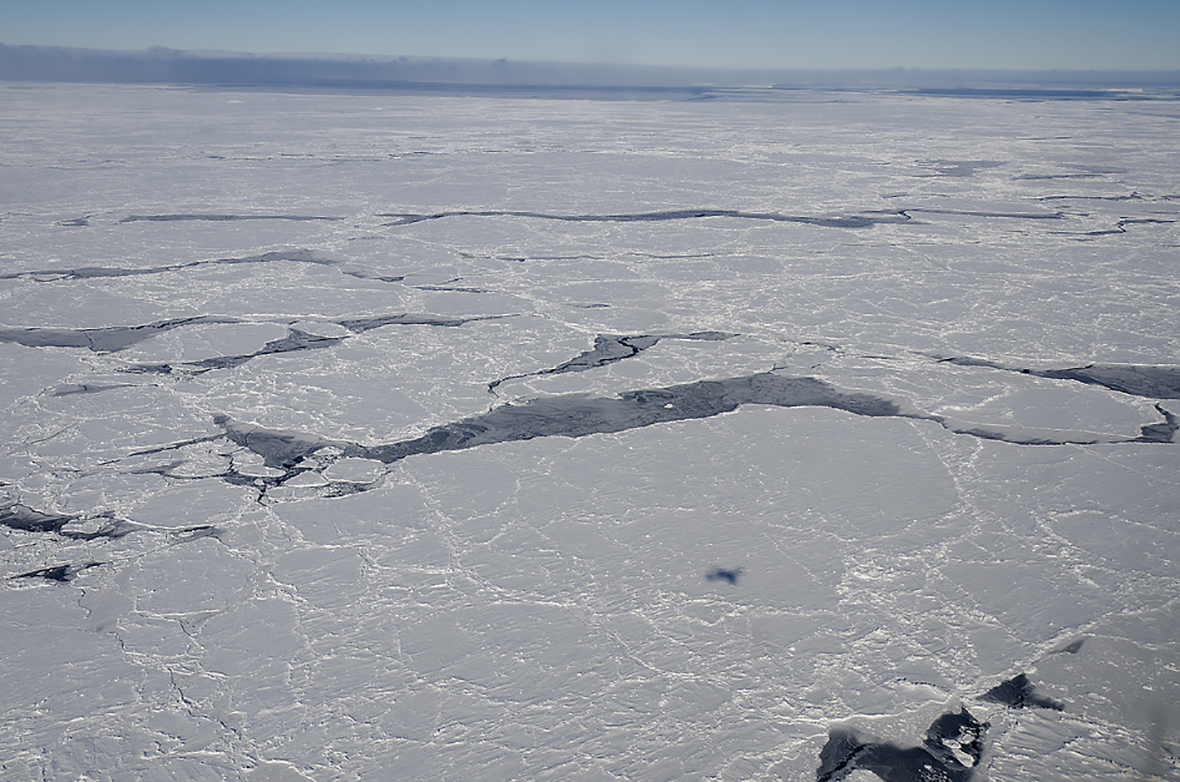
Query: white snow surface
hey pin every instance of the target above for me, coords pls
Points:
(541, 608)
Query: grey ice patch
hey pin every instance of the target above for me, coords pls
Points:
(71, 389)
(980, 213)
(960, 168)
(61, 573)
(1006, 93)
(579, 415)
(1047, 177)
(217, 218)
(365, 274)
(189, 534)
(1087, 172)
(950, 752)
(93, 272)
(1121, 226)
(609, 348)
(279, 449)
(15, 515)
(21, 517)
(1018, 692)
(109, 339)
(1131, 197)
(295, 340)
(572, 415)
(1159, 433)
(449, 289)
(81, 273)
(844, 221)
(1153, 382)
(1145, 380)
(358, 325)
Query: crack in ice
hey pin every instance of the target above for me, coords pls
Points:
(849, 221)
(1145, 380)
(580, 415)
(611, 348)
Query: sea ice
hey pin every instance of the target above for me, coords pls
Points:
(829, 436)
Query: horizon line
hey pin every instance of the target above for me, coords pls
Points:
(162, 64)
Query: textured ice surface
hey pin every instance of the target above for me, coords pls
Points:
(399, 437)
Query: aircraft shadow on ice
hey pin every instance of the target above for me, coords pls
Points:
(728, 575)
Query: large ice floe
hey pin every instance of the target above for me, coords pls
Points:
(825, 436)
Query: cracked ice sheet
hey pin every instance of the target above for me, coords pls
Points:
(542, 608)
(539, 607)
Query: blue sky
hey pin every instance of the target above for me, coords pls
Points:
(1017, 34)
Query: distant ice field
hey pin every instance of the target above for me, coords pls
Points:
(366, 437)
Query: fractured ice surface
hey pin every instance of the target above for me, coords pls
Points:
(721, 515)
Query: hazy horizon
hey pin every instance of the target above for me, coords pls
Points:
(161, 65)
(849, 35)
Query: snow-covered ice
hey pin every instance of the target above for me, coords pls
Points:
(366, 436)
